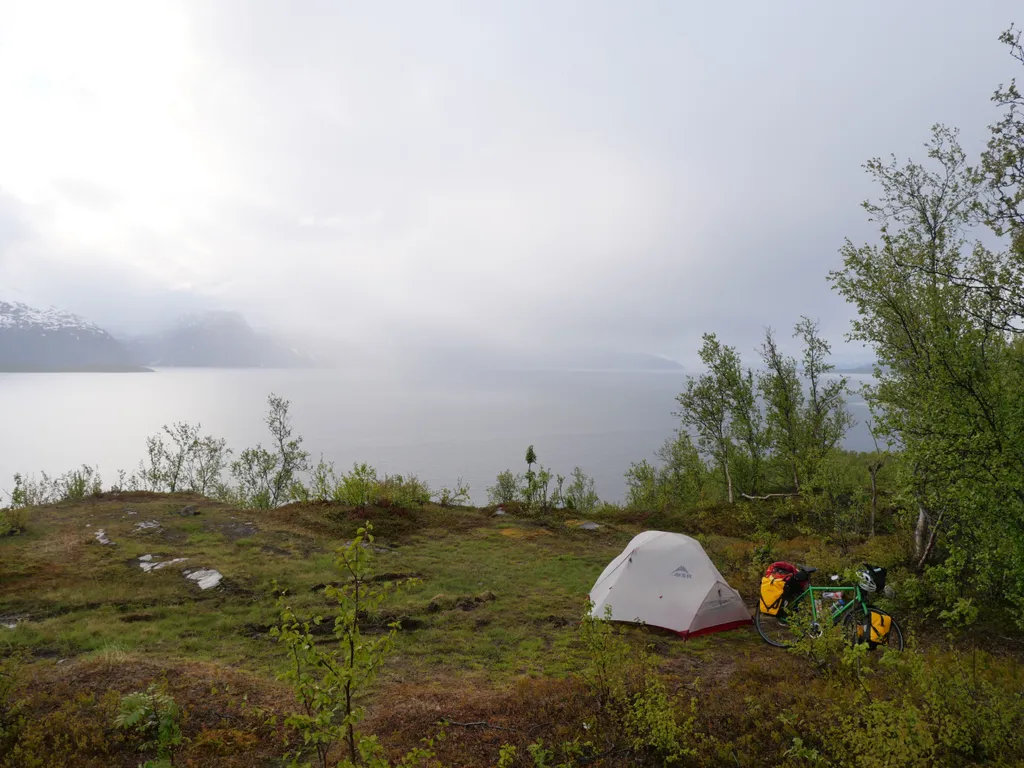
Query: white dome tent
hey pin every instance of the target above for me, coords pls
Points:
(667, 580)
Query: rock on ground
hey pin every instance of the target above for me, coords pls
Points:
(101, 537)
(147, 564)
(206, 578)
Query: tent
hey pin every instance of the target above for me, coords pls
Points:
(667, 580)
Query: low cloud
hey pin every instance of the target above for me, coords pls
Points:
(508, 173)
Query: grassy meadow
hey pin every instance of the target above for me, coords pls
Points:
(489, 639)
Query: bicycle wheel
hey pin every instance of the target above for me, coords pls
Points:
(857, 618)
(774, 630)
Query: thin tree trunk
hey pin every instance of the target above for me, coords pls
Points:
(931, 542)
(351, 726)
(796, 479)
(351, 666)
(921, 530)
(874, 498)
(728, 481)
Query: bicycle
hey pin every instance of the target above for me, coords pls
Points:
(853, 613)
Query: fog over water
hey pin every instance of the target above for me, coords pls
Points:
(439, 427)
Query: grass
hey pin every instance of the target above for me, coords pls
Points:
(76, 596)
(489, 630)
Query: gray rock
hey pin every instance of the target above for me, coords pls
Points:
(150, 565)
(206, 578)
(147, 525)
(190, 510)
(501, 513)
(101, 537)
(590, 526)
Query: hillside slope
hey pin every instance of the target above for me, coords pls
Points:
(34, 339)
(216, 340)
(490, 633)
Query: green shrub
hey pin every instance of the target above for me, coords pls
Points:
(401, 492)
(266, 478)
(13, 520)
(580, 496)
(78, 484)
(357, 488)
(323, 481)
(633, 706)
(330, 678)
(505, 489)
(453, 497)
(642, 490)
(155, 716)
(70, 729)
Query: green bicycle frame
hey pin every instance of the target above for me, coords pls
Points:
(813, 592)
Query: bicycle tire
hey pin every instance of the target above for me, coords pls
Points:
(772, 630)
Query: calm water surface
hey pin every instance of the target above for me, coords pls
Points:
(440, 428)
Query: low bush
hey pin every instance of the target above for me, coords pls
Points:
(75, 485)
(329, 679)
(357, 488)
(453, 497)
(72, 730)
(13, 520)
(628, 710)
(401, 492)
(505, 489)
(534, 492)
(154, 716)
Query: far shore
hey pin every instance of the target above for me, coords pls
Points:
(8, 368)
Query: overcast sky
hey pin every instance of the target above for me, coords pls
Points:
(615, 173)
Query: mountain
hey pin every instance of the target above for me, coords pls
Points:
(217, 340)
(474, 356)
(53, 340)
(618, 360)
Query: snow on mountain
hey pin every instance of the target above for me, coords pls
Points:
(18, 315)
(33, 339)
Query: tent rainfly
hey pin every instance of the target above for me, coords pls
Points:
(667, 580)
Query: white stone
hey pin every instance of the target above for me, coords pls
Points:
(101, 537)
(146, 558)
(148, 566)
(147, 525)
(206, 578)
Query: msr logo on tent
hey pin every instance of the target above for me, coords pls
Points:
(682, 573)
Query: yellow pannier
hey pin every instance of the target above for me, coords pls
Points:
(771, 595)
(878, 628)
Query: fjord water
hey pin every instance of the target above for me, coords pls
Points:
(439, 426)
